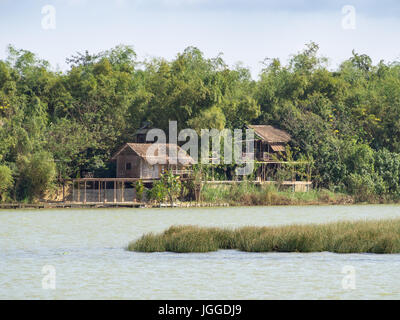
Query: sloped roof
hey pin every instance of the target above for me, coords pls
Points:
(271, 134)
(157, 154)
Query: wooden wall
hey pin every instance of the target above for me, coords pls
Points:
(139, 167)
(131, 157)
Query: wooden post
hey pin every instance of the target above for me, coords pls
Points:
(122, 190)
(99, 190)
(201, 187)
(63, 198)
(265, 171)
(79, 191)
(115, 191)
(73, 190)
(262, 172)
(84, 194)
(293, 177)
(104, 191)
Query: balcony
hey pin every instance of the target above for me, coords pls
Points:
(183, 172)
(264, 156)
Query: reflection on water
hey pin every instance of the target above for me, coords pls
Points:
(86, 247)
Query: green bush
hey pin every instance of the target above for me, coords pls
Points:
(6, 182)
(139, 187)
(361, 186)
(36, 175)
(158, 192)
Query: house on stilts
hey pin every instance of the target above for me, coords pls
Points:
(270, 145)
(134, 161)
(148, 161)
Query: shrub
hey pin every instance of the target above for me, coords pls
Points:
(139, 187)
(361, 186)
(6, 182)
(157, 192)
(36, 175)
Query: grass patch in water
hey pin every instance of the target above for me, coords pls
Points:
(381, 237)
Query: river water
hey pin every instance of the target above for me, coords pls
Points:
(82, 253)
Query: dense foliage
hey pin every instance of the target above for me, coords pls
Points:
(346, 120)
(168, 187)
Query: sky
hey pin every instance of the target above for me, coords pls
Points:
(246, 31)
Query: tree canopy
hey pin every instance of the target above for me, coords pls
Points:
(347, 119)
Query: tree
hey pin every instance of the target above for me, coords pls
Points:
(172, 185)
(6, 182)
(139, 187)
(36, 175)
(347, 120)
(212, 118)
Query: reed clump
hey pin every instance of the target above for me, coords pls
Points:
(249, 194)
(380, 237)
(185, 239)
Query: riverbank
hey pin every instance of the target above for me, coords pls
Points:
(236, 195)
(98, 205)
(380, 237)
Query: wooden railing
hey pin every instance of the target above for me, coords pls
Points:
(264, 156)
(182, 172)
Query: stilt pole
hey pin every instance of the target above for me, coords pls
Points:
(99, 182)
(79, 191)
(115, 191)
(84, 198)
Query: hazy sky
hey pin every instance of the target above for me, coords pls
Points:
(243, 30)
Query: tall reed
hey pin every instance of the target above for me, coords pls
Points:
(341, 237)
(249, 194)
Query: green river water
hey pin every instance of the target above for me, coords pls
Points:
(86, 251)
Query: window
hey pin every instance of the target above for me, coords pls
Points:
(128, 166)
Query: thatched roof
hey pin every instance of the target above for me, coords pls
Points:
(158, 154)
(271, 134)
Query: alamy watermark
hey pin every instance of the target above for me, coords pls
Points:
(237, 148)
(349, 280)
(49, 278)
(349, 21)
(49, 18)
